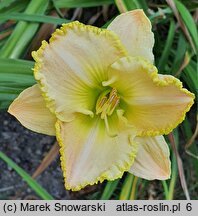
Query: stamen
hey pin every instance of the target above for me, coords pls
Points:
(106, 105)
(113, 106)
(100, 105)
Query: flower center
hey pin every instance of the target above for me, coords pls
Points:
(107, 102)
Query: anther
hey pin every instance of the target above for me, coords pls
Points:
(107, 102)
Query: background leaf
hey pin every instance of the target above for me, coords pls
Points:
(30, 181)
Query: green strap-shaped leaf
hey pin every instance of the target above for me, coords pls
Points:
(23, 32)
(40, 191)
(126, 188)
(15, 76)
(189, 22)
(165, 54)
(109, 189)
(33, 18)
(81, 3)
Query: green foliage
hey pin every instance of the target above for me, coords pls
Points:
(189, 22)
(172, 47)
(15, 76)
(127, 186)
(40, 191)
(80, 3)
(134, 4)
(109, 189)
(23, 32)
(167, 48)
(33, 18)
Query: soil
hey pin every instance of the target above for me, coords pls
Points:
(27, 149)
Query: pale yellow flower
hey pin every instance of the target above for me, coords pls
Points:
(100, 94)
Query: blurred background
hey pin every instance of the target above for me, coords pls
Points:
(29, 162)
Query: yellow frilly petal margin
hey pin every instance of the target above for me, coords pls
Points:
(155, 104)
(89, 155)
(72, 66)
(78, 65)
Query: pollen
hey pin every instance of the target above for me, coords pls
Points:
(107, 102)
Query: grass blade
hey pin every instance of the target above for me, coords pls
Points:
(174, 171)
(4, 4)
(172, 4)
(189, 75)
(15, 76)
(134, 188)
(81, 3)
(186, 126)
(33, 18)
(164, 58)
(126, 188)
(16, 73)
(127, 5)
(16, 66)
(23, 32)
(179, 54)
(109, 189)
(26, 177)
(189, 22)
(166, 191)
(17, 6)
(179, 165)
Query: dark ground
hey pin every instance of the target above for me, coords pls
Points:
(27, 149)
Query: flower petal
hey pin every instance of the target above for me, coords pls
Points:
(154, 104)
(152, 160)
(89, 154)
(72, 66)
(134, 30)
(29, 108)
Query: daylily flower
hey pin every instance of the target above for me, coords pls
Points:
(100, 94)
